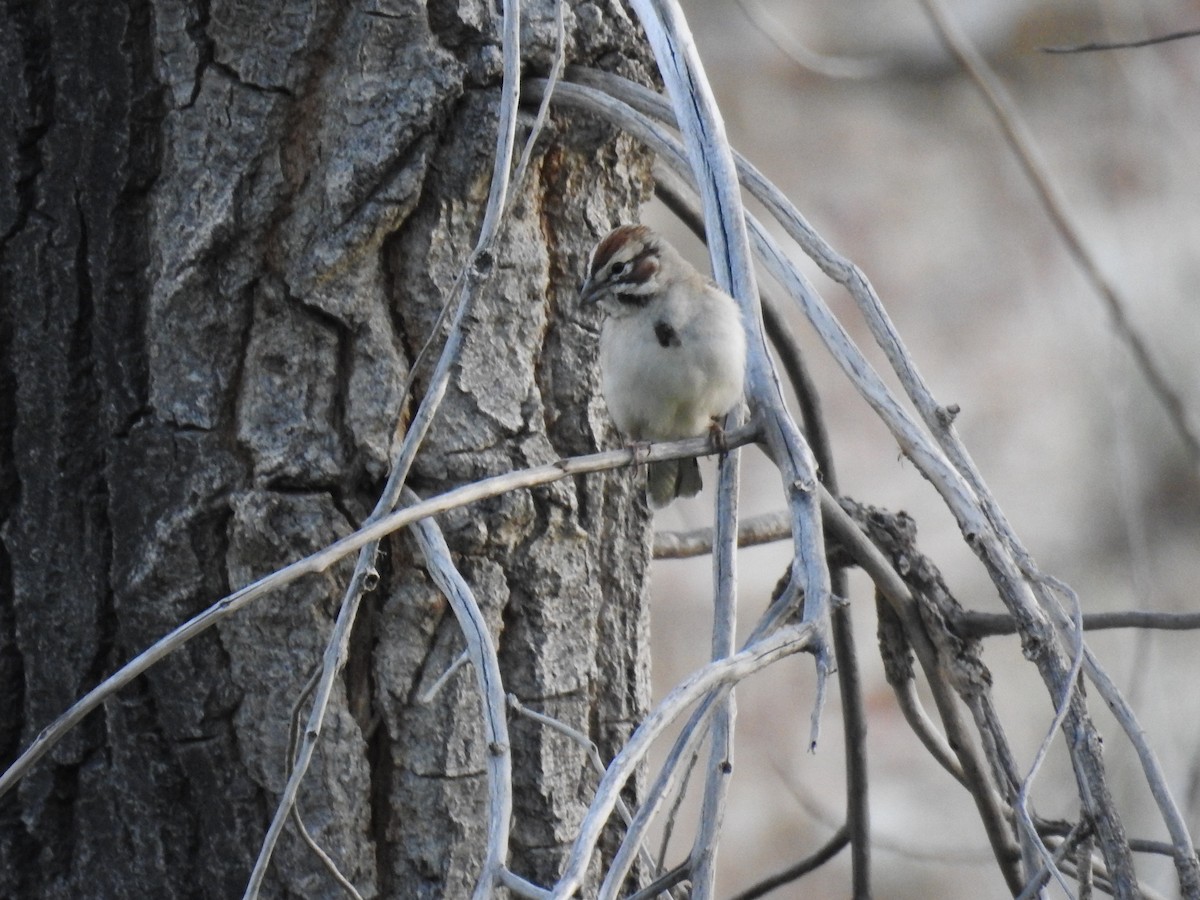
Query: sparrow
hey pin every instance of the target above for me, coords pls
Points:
(672, 349)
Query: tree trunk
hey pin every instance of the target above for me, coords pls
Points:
(227, 232)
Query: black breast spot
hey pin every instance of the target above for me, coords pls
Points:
(666, 335)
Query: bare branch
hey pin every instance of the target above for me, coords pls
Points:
(521, 887)
(543, 113)
(482, 650)
(764, 529)
(477, 269)
(297, 818)
(923, 727)
(321, 561)
(785, 344)
(947, 465)
(668, 828)
(326, 860)
(671, 190)
(703, 857)
(333, 660)
(1062, 708)
(712, 163)
(854, 727)
(462, 288)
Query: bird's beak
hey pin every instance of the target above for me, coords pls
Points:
(588, 292)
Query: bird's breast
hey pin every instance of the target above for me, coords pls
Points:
(665, 379)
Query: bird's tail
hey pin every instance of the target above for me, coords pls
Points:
(672, 478)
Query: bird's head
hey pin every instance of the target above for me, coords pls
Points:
(625, 270)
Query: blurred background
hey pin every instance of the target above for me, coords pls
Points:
(906, 173)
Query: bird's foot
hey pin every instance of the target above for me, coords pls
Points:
(716, 436)
(641, 451)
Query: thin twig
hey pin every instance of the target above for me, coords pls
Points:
(673, 813)
(981, 625)
(1124, 45)
(589, 748)
(1025, 148)
(543, 113)
(923, 727)
(828, 851)
(809, 60)
(1033, 887)
(477, 269)
(297, 818)
(326, 860)
(333, 660)
(497, 196)
(854, 727)
(297, 714)
(428, 696)
(663, 883)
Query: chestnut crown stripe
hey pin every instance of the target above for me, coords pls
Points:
(617, 239)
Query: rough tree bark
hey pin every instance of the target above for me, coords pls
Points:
(225, 234)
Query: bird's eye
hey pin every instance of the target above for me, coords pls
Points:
(619, 268)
